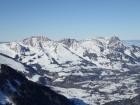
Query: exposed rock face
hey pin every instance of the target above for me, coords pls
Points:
(68, 42)
(21, 91)
(35, 40)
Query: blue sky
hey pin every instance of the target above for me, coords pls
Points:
(69, 18)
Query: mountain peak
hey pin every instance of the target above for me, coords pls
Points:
(114, 39)
(33, 40)
(38, 38)
(68, 41)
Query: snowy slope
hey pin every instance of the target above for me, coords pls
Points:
(109, 53)
(3, 99)
(15, 89)
(12, 63)
(96, 70)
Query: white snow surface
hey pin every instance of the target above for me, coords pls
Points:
(12, 63)
(102, 58)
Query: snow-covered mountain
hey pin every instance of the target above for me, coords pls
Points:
(132, 42)
(15, 89)
(97, 70)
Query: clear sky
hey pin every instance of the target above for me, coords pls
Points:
(69, 18)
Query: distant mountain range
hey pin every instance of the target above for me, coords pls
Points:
(92, 71)
(132, 42)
